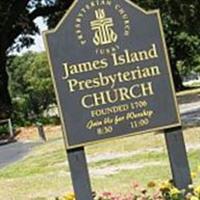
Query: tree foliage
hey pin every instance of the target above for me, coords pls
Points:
(182, 27)
(31, 86)
(17, 29)
(17, 20)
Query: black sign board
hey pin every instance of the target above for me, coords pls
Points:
(111, 71)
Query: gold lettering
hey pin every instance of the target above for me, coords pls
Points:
(128, 57)
(110, 110)
(99, 99)
(135, 91)
(111, 96)
(86, 101)
(66, 71)
(72, 84)
(117, 95)
(124, 94)
(83, 67)
(147, 89)
(111, 80)
(143, 55)
(153, 52)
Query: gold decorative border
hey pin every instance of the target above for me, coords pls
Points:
(64, 126)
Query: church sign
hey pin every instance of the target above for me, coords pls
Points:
(111, 72)
(112, 78)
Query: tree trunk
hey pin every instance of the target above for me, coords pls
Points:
(5, 100)
(178, 82)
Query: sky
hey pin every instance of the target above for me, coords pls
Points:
(39, 44)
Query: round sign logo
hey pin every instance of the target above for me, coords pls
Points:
(103, 21)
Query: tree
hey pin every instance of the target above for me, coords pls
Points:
(31, 86)
(181, 26)
(16, 30)
(180, 19)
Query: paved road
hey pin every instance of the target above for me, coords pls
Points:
(12, 152)
(190, 114)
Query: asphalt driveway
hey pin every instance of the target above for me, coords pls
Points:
(12, 152)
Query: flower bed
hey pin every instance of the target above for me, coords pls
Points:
(153, 191)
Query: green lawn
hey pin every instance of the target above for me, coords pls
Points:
(45, 173)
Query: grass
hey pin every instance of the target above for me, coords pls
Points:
(146, 157)
(45, 173)
(126, 178)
